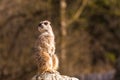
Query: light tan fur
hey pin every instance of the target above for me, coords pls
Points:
(45, 56)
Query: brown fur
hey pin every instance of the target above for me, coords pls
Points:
(46, 60)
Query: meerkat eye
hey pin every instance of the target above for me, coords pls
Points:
(46, 23)
(39, 24)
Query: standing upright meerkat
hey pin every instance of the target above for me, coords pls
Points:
(45, 56)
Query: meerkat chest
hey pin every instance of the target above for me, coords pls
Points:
(46, 41)
(46, 44)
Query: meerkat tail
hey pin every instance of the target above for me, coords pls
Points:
(55, 62)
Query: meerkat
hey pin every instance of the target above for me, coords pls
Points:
(45, 56)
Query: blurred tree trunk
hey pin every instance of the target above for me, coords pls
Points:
(65, 23)
(63, 31)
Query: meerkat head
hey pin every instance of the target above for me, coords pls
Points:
(44, 26)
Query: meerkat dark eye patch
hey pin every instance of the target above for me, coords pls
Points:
(39, 24)
(46, 23)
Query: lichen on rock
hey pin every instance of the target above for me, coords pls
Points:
(52, 76)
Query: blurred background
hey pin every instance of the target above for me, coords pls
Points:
(87, 37)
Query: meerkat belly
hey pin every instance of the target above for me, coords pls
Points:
(51, 46)
(46, 44)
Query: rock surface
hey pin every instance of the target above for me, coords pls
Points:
(53, 76)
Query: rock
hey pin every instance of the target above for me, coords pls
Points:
(52, 76)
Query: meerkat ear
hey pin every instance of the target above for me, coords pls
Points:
(49, 22)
